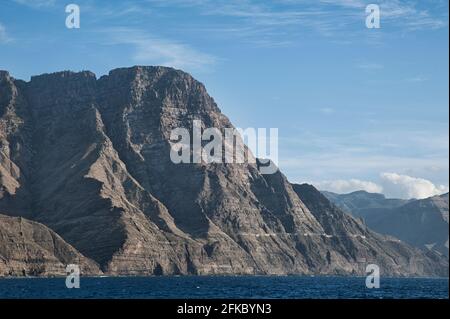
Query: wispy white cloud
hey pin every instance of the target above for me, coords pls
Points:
(399, 12)
(282, 22)
(357, 4)
(110, 10)
(285, 22)
(406, 14)
(148, 49)
(402, 13)
(344, 164)
(404, 186)
(359, 154)
(417, 79)
(3, 35)
(369, 66)
(327, 110)
(36, 3)
(392, 185)
(278, 23)
(266, 24)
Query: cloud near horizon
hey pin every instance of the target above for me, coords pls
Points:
(404, 186)
(3, 36)
(392, 185)
(153, 50)
(36, 3)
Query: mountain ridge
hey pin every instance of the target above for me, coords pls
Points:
(422, 223)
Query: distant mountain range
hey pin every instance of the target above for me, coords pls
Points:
(86, 177)
(422, 223)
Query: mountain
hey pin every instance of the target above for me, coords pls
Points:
(344, 227)
(89, 158)
(363, 204)
(422, 223)
(31, 249)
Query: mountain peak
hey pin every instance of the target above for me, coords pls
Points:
(140, 69)
(4, 74)
(64, 75)
(368, 194)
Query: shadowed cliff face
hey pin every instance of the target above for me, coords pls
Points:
(90, 158)
(422, 223)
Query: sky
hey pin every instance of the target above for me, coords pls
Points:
(356, 108)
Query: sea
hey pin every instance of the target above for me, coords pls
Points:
(226, 287)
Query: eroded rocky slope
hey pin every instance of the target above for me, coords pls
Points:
(31, 249)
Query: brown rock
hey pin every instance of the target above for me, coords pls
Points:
(31, 249)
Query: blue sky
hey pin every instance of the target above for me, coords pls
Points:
(356, 108)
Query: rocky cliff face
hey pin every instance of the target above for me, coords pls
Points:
(31, 249)
(89, 158)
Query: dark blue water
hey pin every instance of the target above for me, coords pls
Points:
(225, 287)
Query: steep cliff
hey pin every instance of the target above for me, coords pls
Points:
(31, 249)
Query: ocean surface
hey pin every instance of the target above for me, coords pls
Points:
(298, 287)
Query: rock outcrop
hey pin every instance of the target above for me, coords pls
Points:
(89, 158)
(31, 249)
